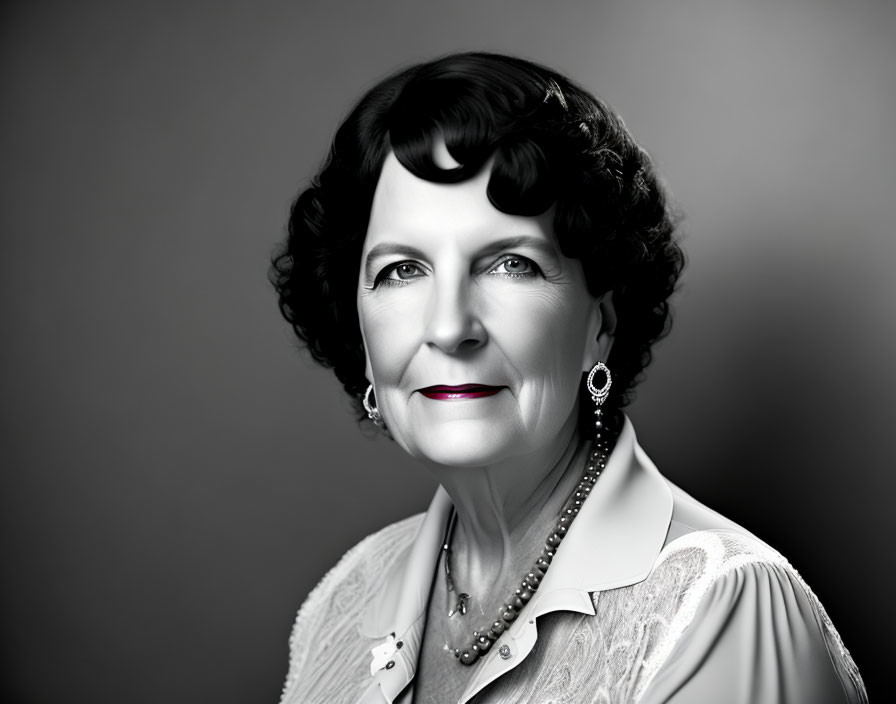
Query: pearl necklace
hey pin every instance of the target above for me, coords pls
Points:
(484, 637)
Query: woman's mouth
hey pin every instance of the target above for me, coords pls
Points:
(456, 393)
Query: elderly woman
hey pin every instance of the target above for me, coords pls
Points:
(485, 260)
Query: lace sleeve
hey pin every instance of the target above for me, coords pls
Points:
(757, 634)
(327, 620)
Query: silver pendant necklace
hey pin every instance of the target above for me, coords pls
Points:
(460, 602)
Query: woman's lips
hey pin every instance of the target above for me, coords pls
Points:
(455, 393)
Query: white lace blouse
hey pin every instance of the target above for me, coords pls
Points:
(651, 597)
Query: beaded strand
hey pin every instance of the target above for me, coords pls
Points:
(483, 638)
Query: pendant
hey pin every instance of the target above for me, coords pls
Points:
(461, 605)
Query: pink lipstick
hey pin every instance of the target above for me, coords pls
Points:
(441, 392)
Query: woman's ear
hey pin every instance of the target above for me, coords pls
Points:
(368, 374)
(602, 331)
(608, 329)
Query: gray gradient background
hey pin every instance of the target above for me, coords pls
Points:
(176, 477)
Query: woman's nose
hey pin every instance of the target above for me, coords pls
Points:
(452, 323)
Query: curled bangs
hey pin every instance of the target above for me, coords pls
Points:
(525, 126)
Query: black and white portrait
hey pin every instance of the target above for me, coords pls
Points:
(447, 351)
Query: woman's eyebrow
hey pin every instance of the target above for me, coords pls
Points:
(384, 249)
(539, 244)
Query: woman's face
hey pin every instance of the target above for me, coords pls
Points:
(476, 327)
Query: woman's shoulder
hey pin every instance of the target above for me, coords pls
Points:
(710, 548)
(367, 559)
(334, 605)
(732, 614)
(739, 601)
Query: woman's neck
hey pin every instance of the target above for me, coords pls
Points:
(505, 511)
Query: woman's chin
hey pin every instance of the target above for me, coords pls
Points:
(465, 443)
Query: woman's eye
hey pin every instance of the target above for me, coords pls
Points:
(515, 266)
(399, 273)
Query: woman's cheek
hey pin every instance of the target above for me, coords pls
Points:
(549, 348)
(537, 326)
(391, 325)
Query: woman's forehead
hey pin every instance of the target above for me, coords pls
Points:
(407, 206)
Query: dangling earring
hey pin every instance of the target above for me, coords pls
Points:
(372, 411)
(599, 395)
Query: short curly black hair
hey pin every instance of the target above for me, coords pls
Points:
(552, 144)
